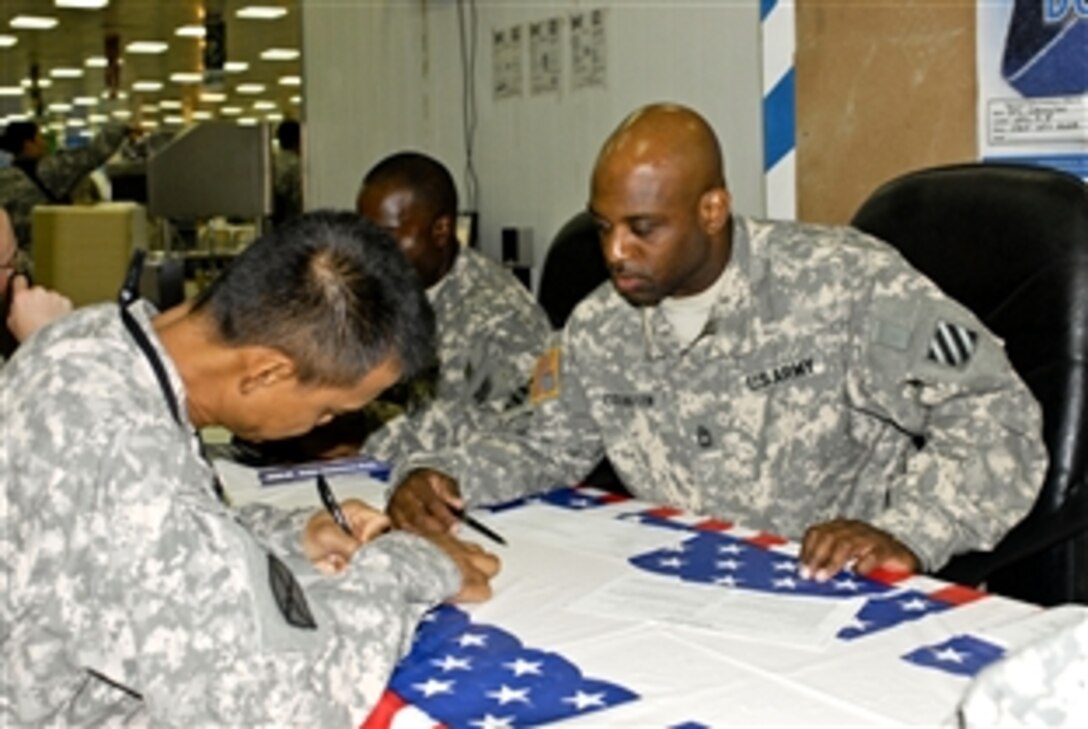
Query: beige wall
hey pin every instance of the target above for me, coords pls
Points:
(883, 87)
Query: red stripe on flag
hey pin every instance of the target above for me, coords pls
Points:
(765, 540)
(886, 576)
(663, 512)
(382, 715)
(713, 525)
(611, 498)
(957, 595)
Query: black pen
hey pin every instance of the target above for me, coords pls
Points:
(478, 526)
(329, 500)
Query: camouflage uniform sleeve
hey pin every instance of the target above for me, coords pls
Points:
(61, 171)
(551, 440)
(224, 633)
(501, 359)
(280, 529)
(929, 366)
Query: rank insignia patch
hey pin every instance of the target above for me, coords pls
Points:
(289, 596)
(952, 345)
(545, 377)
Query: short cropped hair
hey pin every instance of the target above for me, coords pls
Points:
(425, 176)
(289, 134)
(332, 292)
(16, 134)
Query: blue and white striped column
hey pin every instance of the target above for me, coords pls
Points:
(777, 30)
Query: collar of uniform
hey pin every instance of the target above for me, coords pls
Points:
(143, 311)
(447, 292)
(730, 321)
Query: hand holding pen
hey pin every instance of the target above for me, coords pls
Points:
(332, 535)
(429, 502)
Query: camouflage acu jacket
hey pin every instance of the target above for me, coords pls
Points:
(131, 594)
(826, 362)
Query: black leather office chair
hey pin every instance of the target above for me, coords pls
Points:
(573, 267)
(1011, 243)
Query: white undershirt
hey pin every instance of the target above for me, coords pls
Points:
(688, 314)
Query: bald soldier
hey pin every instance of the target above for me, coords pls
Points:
(795, 378)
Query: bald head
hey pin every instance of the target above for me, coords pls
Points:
(665, 137)
(658, 194)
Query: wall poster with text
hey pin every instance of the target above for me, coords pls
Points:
(1033, 83)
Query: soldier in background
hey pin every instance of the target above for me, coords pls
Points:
(796, 378)
(132, 592)
(489, 328)
(38, 178)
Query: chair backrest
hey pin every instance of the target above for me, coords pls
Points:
(573, 267)
(1010, 242)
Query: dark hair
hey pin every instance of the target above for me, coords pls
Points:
(16, 134)
(288, 134)
(427, 177)
(332, 292)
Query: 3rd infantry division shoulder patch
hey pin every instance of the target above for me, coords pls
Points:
(952, 345)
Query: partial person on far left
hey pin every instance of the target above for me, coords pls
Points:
(24, 308)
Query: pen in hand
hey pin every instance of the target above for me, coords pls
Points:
(475, 524)
(332, 505)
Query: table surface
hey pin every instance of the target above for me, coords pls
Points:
(613, 612)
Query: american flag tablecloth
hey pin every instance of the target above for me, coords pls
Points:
(534, 654)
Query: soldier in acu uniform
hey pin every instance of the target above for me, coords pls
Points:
(132, 592)
(796, 378)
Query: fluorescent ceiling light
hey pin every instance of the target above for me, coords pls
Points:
(60, 107)
(279, 54)
(170, 104)
(7, 41)
(273, 117)
(186, 77)
(121, 95)
(247, 121)
(290, 81)
(76, 122)
(296, 100)
(235, 66)
(85, 101)
(11, 90)
(32, 22)
(261, 12)
(146, 47)
(82, 4)
(231, 111)
(66, 72)
(43, 83)
(121, 113)
(190, 31)
(173, 119)
(149, 108)
(86, 133)
(250, 88)
(148, 86)
(213, 97)
(96, 62)
(264, 105)
(149, 123)
(202, 115)
(97, 118)
(57, 126)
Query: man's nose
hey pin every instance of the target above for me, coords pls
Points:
(616, 246)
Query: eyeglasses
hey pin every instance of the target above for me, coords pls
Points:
(18, 264)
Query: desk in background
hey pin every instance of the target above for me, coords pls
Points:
(613, 612)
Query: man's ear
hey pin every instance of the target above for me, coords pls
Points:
(265, 367)
(714, 207)
(442, 230)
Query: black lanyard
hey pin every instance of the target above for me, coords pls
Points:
(129, 293)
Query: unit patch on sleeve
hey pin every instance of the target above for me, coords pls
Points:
(952, 345)
(545, 377)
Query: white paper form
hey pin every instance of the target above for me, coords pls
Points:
(799, 622)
